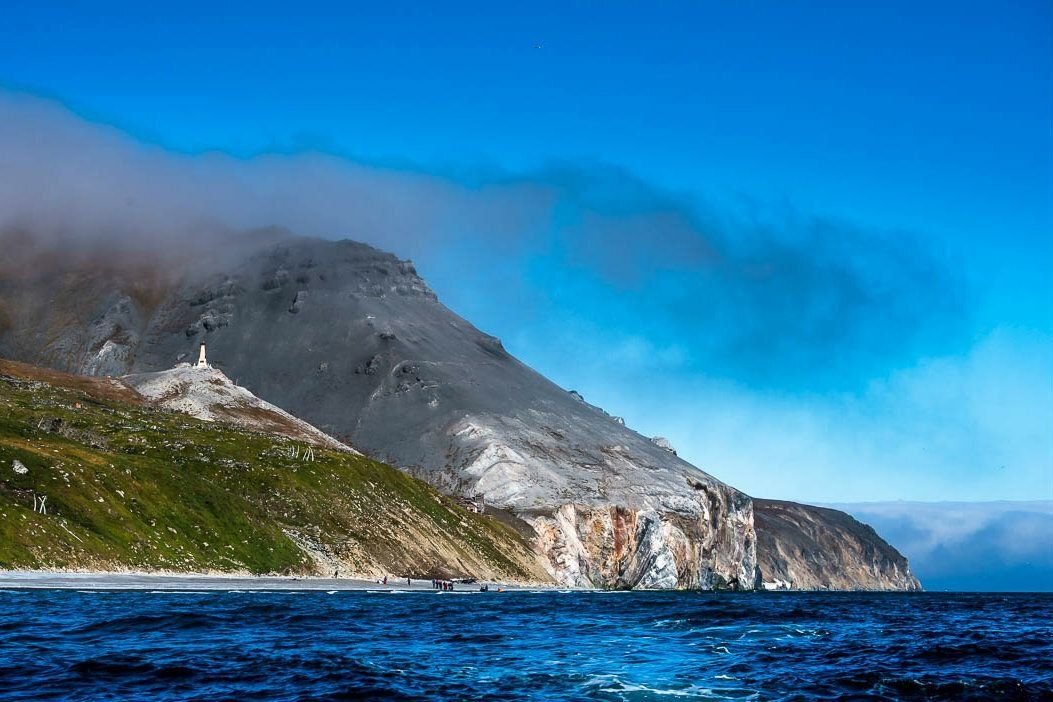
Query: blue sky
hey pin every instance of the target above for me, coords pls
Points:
(810, 245)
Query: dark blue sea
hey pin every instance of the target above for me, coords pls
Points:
(523, 646)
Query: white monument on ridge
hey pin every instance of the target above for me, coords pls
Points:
(201, 362)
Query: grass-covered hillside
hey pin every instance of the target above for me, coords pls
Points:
(132, 486)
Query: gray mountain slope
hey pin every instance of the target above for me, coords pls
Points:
(352, 340)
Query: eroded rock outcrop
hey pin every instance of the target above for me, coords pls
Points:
(626, 548)
(606, 515)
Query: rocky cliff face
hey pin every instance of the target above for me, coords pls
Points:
(353, 341)
(814, 548)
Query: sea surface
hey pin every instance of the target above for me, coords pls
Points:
(142, 645)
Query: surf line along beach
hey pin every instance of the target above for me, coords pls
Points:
(53, 580)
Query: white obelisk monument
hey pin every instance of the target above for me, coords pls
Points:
(201, 362)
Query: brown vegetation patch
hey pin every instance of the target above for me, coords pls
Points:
(105, 389)
(267, 421)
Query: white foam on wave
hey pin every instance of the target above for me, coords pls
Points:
(593, 591)
(177, 592)
(614, 685)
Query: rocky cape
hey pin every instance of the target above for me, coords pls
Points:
(801, 547)
(351, 340)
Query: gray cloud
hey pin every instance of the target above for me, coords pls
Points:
(771, 299)
(63, 175)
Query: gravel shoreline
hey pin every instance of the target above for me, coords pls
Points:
(48, 580)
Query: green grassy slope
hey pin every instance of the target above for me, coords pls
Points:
(130, 486)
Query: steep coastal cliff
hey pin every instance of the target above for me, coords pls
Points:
(802, 547)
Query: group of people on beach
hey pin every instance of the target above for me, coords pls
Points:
(444, 585)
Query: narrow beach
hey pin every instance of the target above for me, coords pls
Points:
(22, 579)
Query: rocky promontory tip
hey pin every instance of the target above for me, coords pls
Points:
(802, 547)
